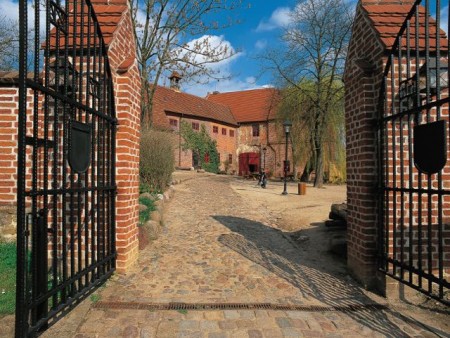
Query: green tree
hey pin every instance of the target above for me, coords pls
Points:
(311, 65)
(201, 144)
(297, 105)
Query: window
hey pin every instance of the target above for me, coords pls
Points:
(195, 126)
(231, 133)
(215, 129)
(255, 130)
(224, 131)
(173, 123)
(230, 158)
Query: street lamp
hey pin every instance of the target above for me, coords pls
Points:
(264, 154)
(287, 128)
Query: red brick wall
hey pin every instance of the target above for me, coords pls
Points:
(127, 94)
(9, 106)
(361, 99)
(127, 99)
(226, 144)
(361, 104)
(272, 137)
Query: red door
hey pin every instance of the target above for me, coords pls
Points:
(248, 163)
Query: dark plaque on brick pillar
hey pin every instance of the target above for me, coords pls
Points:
(80, 146)
(430, 147)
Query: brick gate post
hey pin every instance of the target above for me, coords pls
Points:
(363, 74)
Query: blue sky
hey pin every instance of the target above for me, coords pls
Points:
(260, 28)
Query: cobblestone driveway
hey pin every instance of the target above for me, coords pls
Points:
(216, 249)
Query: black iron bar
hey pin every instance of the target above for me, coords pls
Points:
(394, 158)
(21, 322)
(94, 150)
(402, 165)
(386, 178)
(410, 158)
(72, 41)
(89, 121)
(428, 120)
(426, 201)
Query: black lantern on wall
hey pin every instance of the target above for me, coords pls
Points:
(438, 71)
(65, 71)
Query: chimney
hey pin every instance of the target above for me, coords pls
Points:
(175, 81)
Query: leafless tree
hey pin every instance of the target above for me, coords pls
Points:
(313, 63)
(9, 43)
(176, 35)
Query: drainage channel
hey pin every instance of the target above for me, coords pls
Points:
(236, 306)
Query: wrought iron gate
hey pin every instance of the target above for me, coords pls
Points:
(414, 232)
(66, 161)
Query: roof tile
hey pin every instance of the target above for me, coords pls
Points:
(167, 100)
(388, 18)
(250, 105)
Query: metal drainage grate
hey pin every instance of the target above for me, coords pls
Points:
(236, 306)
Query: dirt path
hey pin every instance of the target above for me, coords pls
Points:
(220, 247)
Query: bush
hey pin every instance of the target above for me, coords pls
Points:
(157, 161)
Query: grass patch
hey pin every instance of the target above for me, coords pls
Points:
(144, 216)
(183, 311)
(7, 278)
(95, 298)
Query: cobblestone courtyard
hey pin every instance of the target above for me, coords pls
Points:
(217, 247)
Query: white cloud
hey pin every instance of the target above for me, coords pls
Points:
(279, 18)
(251, 80)
(211, 42)
(261, 44)
(223, 86)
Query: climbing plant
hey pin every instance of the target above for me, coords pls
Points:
(200, 143)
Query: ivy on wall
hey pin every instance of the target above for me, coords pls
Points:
(201, 144)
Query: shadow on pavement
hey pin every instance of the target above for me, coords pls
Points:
(269, 248)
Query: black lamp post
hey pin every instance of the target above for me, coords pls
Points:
(264, 154)
(287, 128)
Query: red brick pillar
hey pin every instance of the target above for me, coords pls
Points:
(363, 76)
(126, 79)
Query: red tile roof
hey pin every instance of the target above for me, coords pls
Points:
(250, 105)
(167, 100)
(387, 19)
(108, 16)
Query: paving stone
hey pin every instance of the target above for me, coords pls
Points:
(227, 325)
(209, 325)
(211, 251)
(231, 314)
(217, 335)
(255, 334)
(247, 314)
(283, 322)
(273, 333)
(189, 325)
(214, 315)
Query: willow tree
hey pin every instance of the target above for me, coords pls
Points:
(176, 35)
(313, 52)
(297, 106)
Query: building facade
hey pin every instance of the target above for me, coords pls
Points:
(249, 137)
